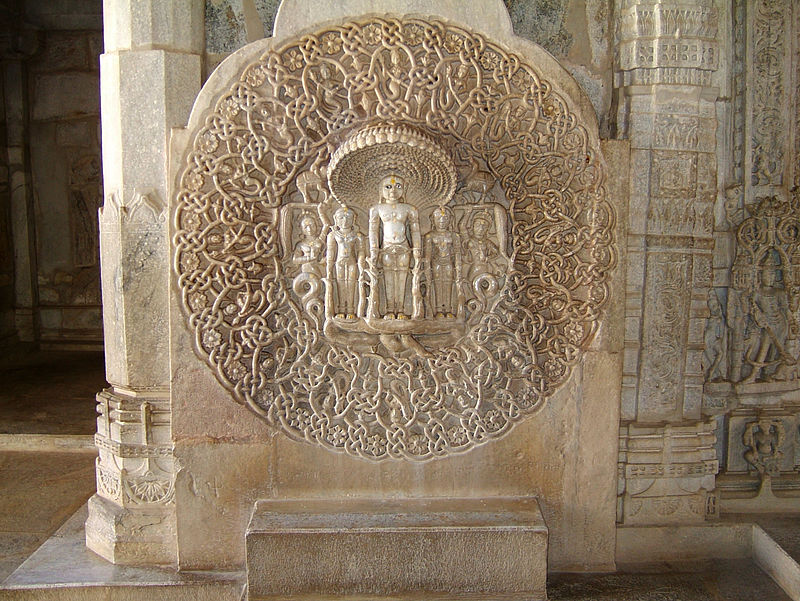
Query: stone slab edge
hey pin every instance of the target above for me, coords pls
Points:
(62, 443)
(646, 544)
(777, 563)
(102, 580)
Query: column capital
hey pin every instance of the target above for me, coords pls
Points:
(667, 42)
(149, 24)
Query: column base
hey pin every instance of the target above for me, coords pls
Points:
(143, 535)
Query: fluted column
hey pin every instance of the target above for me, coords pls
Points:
(150, 75)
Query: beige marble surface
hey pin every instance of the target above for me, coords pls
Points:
(27, 516)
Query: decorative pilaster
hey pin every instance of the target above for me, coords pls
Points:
(666, 55)
(663, 470)
(752, 373)
(150, 76)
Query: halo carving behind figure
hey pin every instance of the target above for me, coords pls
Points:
(528, 235)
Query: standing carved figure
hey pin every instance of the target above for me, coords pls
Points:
(345, 262)
(394, 238)
(769, 312)
(716, 341)
(443, 252)
(308, 256)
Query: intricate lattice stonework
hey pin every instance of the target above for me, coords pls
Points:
(254, 208)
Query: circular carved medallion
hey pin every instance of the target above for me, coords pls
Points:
(392, 239)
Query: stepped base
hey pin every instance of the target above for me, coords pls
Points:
(64, 569)
(397, 549)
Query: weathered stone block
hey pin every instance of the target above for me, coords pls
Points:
(143, 536)
(393, 548)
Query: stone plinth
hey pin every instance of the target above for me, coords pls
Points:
(448, 548)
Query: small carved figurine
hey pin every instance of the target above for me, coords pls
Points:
(443, 253)
(483, 256)
(391, 224)
(716, 341)
(345, 261)
(763, 440)
(308, 251)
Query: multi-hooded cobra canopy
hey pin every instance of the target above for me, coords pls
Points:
(358, 166)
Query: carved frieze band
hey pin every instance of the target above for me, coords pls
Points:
(667, 42)
(132, 451)
(136, 208)
(679, 486)
(356, 312)
(146, 486)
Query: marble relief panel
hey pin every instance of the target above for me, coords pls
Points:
(392, 240)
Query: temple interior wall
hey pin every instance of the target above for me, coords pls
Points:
(564, 455)
(709, 139)
(52, 141)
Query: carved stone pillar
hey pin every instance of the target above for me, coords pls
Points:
(150, 76)
(15, 99)
(667, 53)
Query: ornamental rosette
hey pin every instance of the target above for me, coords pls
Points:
(392, 239)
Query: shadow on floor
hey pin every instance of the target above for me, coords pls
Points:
(50, 392)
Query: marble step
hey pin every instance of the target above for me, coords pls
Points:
(441, 549)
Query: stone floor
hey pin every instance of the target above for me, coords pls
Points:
(50, 392)
(720, 580)
(38, 492)
(784, 530)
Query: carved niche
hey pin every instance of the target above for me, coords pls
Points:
(763, 300)
(392, 239)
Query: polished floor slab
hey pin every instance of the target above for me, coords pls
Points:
(63, 568)
(38, 492)
(717, 580)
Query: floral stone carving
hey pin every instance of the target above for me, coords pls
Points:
(392, 239)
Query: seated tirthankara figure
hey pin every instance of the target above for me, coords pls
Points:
(345, 262)
(485, 261)
(308, 251)
(443, 256)
(394, 239)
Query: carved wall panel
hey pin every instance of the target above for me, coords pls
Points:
(391, 239)
(768, 86)
(666, 474)
(85, 192)
(752, 334)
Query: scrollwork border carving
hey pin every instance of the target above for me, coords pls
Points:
(284, 118)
